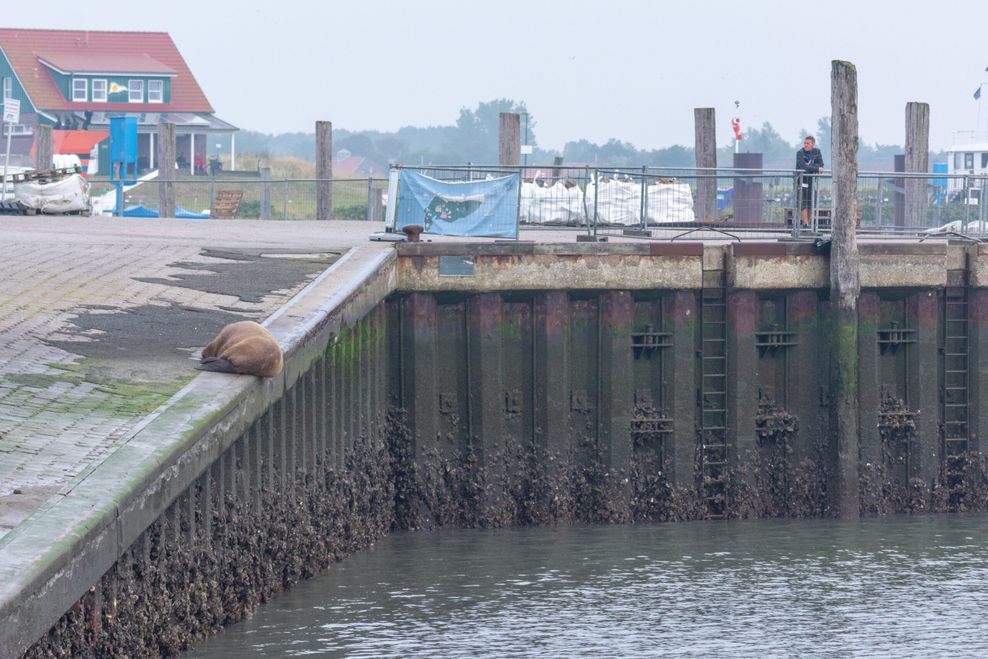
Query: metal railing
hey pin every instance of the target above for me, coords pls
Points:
(284, 199)
(614, 200)
(639, 201)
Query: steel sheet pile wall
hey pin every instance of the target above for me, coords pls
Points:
(306, 485)
(613, 404)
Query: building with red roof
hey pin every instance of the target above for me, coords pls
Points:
(78, 79)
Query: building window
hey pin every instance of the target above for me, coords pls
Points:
(984, 161)
(968, 161)
(156, 91)
(958, 160)
(99, 91)
(8, 87)
(135, 91)
(80, 89)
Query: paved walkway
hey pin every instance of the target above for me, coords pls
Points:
(101, 320)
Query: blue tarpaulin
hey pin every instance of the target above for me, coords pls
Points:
(458, 208)
(141, 210)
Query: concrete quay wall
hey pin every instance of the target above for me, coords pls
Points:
(114, 566)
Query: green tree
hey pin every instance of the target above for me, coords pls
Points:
(476, 136)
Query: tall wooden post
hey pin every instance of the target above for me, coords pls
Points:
(324, 170)
(706, 157)
(845, 284)
(509, 139)
(166, 169)
(42, 148)
(917, 160)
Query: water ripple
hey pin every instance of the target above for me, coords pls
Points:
(890, 587)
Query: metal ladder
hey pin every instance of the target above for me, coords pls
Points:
(954, 394)
(713, 393)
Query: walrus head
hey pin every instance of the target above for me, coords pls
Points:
(245, 348)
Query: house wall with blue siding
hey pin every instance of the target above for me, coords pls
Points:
(17, 91)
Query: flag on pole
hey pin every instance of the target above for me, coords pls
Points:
(977, 93)
(736, 125)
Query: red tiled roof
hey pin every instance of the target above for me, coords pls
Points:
(76, 141)
(23, 47)
(106, 63)
(352, 166)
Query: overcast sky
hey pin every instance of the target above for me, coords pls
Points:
(631, 70)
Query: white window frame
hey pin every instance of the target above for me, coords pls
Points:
(106, 90)
(156, 96)
(135, 86)
(76, 88)
(8, 87)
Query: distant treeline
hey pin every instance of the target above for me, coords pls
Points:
(473, 139)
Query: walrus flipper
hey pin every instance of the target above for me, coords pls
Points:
(216, 365)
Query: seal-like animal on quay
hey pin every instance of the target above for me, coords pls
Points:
(245, 348)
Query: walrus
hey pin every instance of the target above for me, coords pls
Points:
(245, 348)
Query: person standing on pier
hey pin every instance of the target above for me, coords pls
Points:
(810, 161)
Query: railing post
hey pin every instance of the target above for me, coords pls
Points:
(286, 198)
(370, 205)
(797, 204)
(265, 193)
(845, 285)
(596, 190)
(643, 206)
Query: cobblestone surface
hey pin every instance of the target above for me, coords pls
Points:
(73, 388)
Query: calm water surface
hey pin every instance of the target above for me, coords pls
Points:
(910, 586)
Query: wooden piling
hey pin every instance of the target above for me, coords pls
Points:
(43, 152)
(706, 157)
(917, 160)
(845, 284)
(166, 169)
(324, 170)
(509, 139)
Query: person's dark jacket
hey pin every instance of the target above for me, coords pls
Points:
(809, 161)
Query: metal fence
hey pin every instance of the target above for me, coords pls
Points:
(608, 200)
(285, 199)
(630, 201)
